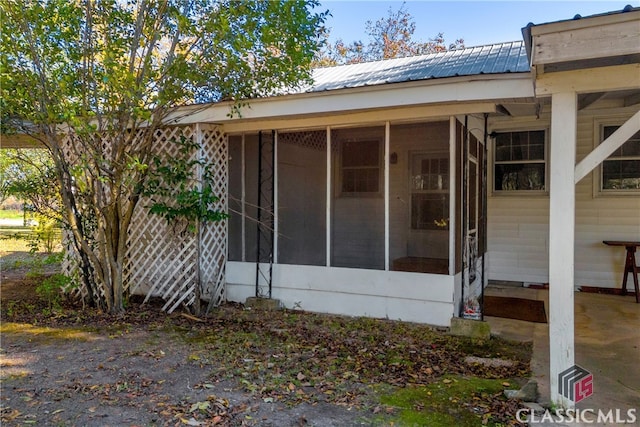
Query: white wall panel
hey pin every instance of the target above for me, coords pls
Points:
(415, 297)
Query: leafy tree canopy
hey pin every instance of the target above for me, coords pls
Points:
(389, 37)
(94, 80)
(65, 60)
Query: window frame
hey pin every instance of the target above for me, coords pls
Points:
(598, 173)
(430, 155)
(379, 167)
(494, 162)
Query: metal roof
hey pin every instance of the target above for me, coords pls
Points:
(509, 57)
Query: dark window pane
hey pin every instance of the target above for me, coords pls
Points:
(630, 148)
(519, 146)
(360, 166)
(429, 211)
(444, 166)
(424, 166)
(519, 152)
(621, 174)
(519, 177)
(514, 146)
(360, 153)
(609, 130)
(473, 200)
(536, 145)
(473, 146)
(348, 181)
(503, 147)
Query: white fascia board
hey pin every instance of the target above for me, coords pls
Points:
(586, 22)
(603, 79)
(429, 112)
(600, 41)
(454, 90)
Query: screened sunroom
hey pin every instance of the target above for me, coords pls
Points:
(357, 220)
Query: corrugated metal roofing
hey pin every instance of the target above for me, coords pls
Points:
(510, 57)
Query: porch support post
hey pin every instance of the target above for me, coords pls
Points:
(328, 200)
(387, 143)
(452, 198)
(275, 198)
(243, 201)
(561, 239)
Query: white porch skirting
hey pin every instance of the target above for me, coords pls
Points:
(397, 295)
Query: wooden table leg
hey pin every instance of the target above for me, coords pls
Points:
(630, 267)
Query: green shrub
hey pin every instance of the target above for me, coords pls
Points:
(51, 289)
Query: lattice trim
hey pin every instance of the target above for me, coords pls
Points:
(315, 140)
(162, 260)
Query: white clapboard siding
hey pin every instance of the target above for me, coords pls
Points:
(518, 226)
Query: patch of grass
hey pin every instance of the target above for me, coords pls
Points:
(11, 214)
(46, 334)
(25, 239)
(16, 375)
(15, 239)
(451, 401)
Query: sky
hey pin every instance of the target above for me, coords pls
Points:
(477, 22)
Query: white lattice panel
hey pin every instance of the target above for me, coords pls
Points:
(73, 151)
(70, 268)
(213, 236)
(165, 260)
(316, 140)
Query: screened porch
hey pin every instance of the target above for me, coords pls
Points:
(346, 204)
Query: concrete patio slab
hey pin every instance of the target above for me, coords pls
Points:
(607, 340)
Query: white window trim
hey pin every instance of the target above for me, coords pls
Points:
(491, 163)
(599, 124)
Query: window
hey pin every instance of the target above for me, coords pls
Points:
(520, 161)
(621, 170)
(361, 167)
(429, 192)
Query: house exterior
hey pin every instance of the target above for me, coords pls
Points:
(394, 188)
(399, 188)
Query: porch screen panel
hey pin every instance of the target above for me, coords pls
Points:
(251, 152)
(419, 193)
(357, 203)
(302, 175)
(235, 198)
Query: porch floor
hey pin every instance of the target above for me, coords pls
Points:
(607, 344)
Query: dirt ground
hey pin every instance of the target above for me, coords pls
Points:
(135, 376)
(102, 380)
(69, 367)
